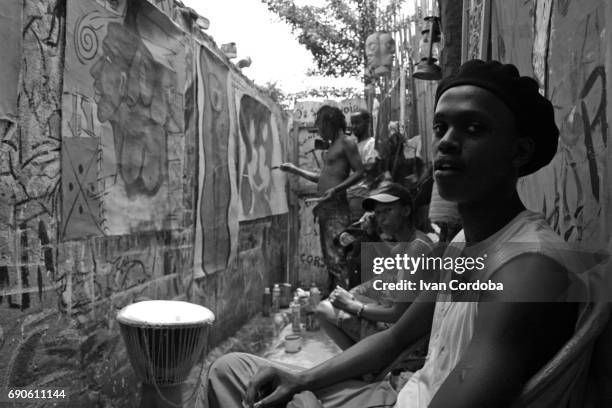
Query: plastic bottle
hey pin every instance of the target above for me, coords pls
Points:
(315, 295)
(304, 299)
(296, 319)
(285, 297)
(315, 298)
(267, 302)
(275, 298)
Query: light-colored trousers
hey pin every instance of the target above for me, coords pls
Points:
(229, 376)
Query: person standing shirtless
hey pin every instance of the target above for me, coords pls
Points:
(333, 212)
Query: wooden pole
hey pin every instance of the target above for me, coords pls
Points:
(402, 101)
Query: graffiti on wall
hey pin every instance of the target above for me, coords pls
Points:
(304, 112)
(569, 191)
(512, 33)
(474, 19)
(10, 49)
(59, 300)
(311, 266)
(29, 169)
(123, 118)
(541, 41)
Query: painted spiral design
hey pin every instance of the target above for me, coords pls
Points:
(86, 40)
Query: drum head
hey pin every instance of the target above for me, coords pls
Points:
(163, 313)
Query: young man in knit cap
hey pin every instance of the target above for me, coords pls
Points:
(491, 127)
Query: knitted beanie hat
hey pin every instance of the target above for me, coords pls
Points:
(534, 113)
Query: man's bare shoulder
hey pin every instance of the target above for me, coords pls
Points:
(348, 141)
(531, 277)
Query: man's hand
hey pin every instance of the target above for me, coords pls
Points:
(271, 386)
(328, 194)
(304, 399)
(344, 300)
(368, 223)
(288, 167)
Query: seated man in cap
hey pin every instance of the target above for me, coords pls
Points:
(346, 316)
(491, 126)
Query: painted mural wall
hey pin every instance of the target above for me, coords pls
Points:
(240, 142)
(100, 194)
(563, 44)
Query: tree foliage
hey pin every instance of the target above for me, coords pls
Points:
(335, 34)
(327, 92)
(275, 93)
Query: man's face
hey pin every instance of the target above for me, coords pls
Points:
(474, 143)
(390, 217)
(372, 51)
(359, 126)
(325, 130)
(109, 84)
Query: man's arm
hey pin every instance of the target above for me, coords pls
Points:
(381, 313)
(370, 354)
(376, 351)
(508, 336)
(308, 175)
(344, 300)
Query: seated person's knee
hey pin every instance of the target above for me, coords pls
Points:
(222, 366)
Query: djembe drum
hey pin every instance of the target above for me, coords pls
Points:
(164, 339)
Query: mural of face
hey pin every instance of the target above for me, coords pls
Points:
(109, 85)
(256, 127)
(380, 48)
(372, 53)
(132, 93)
(110, 71)
(143, 142)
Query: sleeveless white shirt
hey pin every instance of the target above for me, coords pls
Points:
(453, 322)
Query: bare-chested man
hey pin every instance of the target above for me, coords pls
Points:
(333, 210)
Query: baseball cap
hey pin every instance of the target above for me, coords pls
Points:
(389, 193)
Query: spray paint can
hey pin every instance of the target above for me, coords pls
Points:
(315, 298)
(296, 319)
(267, 302)
(276, 298)
(285, 296)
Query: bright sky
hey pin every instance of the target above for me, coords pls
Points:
(260, 34)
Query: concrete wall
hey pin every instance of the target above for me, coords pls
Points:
(58, 300)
